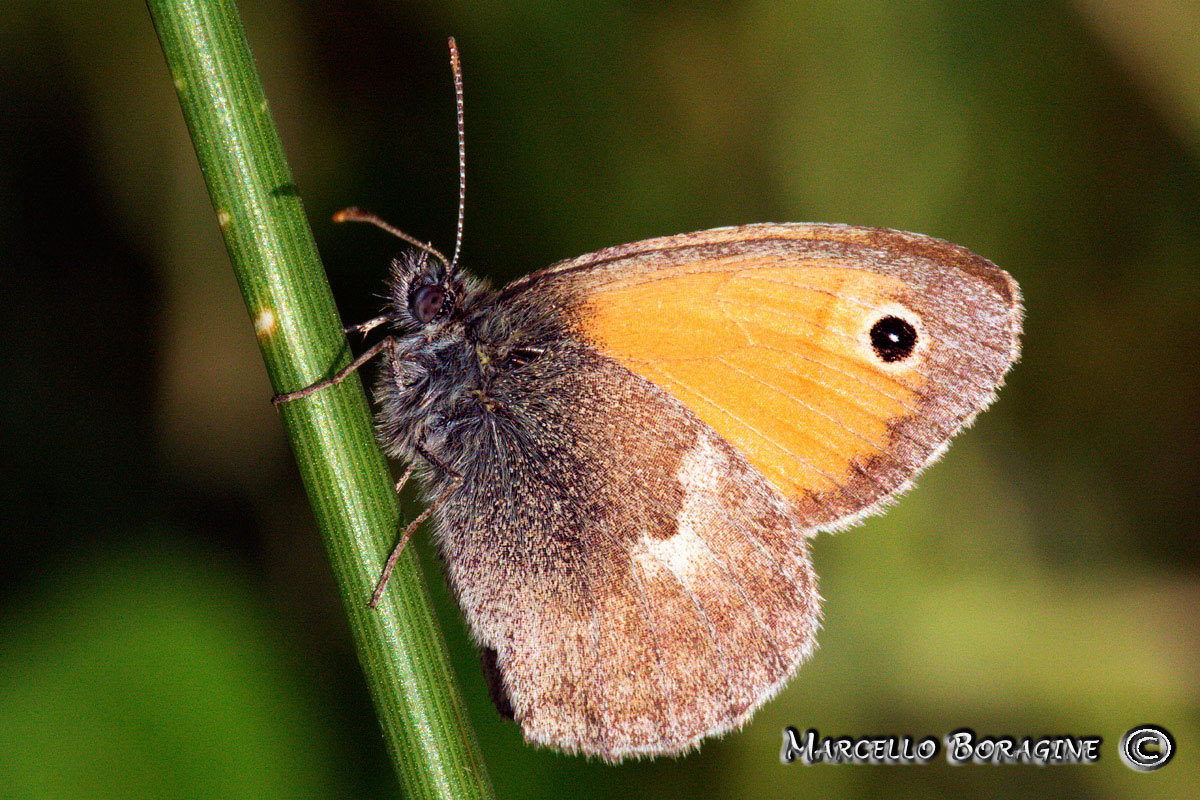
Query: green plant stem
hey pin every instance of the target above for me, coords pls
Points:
(346, 477)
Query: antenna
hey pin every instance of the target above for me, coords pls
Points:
(462, 149)
(357, 215)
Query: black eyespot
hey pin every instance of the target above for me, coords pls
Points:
(893, 339)
(426, 302)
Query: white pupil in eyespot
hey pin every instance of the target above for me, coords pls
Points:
(893, 339)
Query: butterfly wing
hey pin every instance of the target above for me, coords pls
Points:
(772, 335)
(703, 403)
(633, 582)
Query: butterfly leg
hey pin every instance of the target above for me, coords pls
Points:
(388, 344)
(408, 473)
(366, 327)
(382, 583)
(437, 462)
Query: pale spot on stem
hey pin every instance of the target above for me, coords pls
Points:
(265, 323)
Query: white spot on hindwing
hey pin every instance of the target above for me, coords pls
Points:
(686, 554)
(679, 553)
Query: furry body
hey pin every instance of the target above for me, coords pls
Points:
(633, 581)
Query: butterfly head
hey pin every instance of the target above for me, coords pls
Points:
(427, 295)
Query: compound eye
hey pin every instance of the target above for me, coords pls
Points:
(426, 302)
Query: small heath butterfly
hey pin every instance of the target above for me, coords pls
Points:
(627, 454)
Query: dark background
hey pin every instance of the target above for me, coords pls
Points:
(168, 623)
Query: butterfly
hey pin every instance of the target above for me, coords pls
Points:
(627, 454)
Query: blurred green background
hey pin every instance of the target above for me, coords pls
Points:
(168, 623)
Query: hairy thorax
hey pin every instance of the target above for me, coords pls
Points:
(458, 398)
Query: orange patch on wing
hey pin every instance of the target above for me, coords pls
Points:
(774, 358)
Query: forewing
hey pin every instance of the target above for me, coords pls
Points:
(765, 333)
